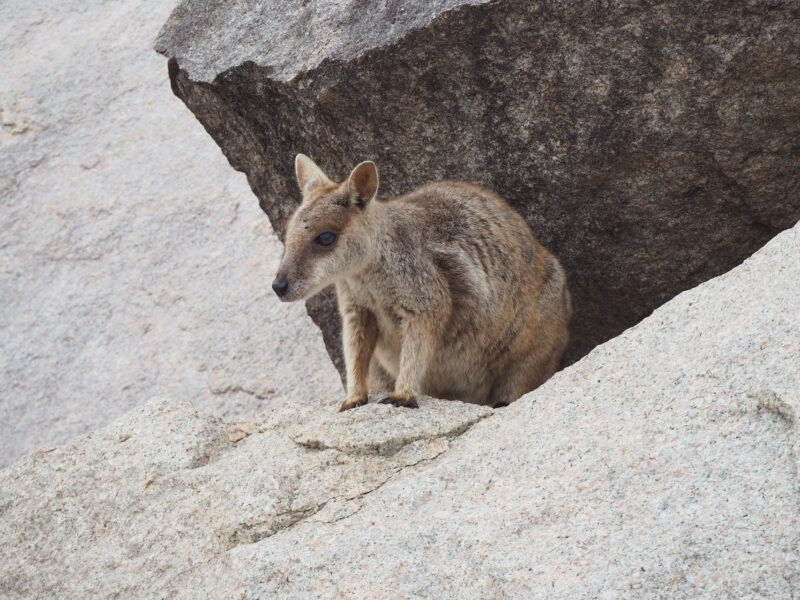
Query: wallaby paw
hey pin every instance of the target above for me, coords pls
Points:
(403, 400)
(353, 402)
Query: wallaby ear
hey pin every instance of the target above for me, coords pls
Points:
(363, 183)
(309, 175)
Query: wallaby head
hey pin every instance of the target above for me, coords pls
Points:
(328, 237)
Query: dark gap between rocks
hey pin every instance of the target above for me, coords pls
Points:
(647, 158)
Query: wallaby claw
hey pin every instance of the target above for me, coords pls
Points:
(399, 401)
(353, 403)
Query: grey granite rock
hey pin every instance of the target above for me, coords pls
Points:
(133, 261)
(154, 504)
(651, 146)
(662, 465)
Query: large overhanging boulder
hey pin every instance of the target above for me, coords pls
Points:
(664, 464)
(650, 146)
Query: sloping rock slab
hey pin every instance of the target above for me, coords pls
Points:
(134, 261)
(664, 464)
(652, 147)
(158, 499)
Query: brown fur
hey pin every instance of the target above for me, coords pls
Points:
(443, 291)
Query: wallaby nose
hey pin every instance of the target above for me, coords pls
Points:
(280, 286)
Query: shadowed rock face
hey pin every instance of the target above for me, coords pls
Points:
(650, 148)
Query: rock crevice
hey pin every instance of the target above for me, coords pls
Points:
(650, 147)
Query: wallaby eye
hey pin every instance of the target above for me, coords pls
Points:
(326, 238)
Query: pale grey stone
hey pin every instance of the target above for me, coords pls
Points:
(153, 504)
(133, 261)
(664, 464)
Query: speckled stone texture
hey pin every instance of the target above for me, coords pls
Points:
(133, 260)
(154, 505)
(650, 145)
(662, 465)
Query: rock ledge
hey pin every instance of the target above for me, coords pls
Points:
(664, 462)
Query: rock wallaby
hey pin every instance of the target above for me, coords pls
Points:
(443, 291)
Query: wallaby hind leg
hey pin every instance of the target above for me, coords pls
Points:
(524, 377)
